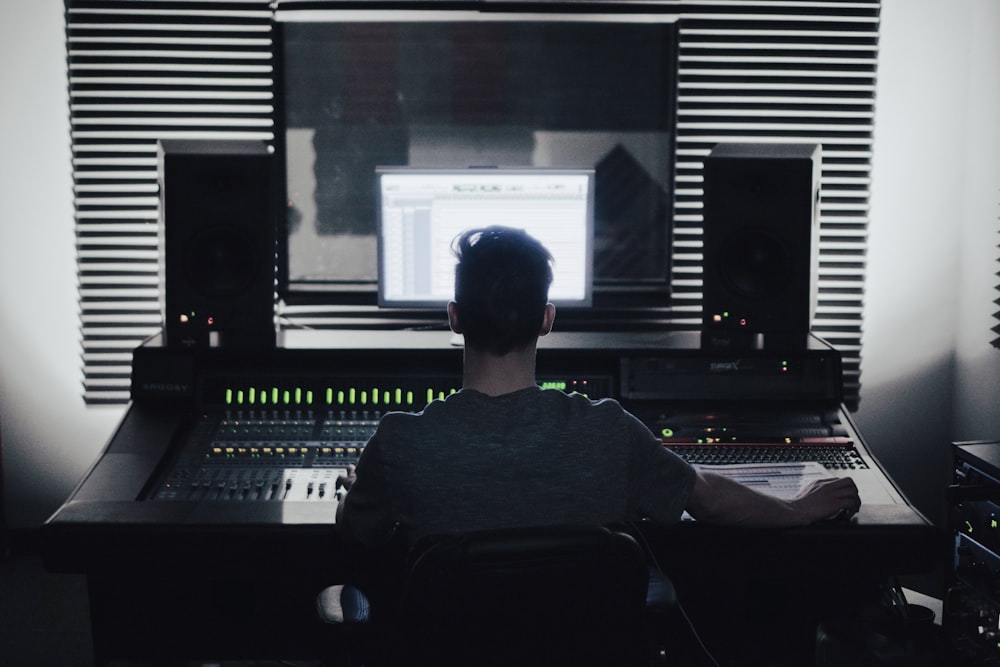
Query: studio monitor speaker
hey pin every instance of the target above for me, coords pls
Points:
(219, 212)
(761, 238)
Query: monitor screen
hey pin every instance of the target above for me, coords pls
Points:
(451, 86)
(421, 211)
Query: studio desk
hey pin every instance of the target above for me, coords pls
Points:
(205, 528)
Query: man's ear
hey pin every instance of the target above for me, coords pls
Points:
(548, 319)
(453, 320)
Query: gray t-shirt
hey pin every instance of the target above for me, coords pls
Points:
(531, 457)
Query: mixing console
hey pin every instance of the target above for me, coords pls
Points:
(224, 472)
(265, 456)
(761, 436)
(258, 455)
(278, 438)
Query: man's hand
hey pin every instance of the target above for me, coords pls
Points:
(828, 498)
(346, 481)
(343, 485)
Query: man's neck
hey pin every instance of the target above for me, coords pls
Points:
(496, 376)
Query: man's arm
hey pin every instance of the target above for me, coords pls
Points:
(721, 500)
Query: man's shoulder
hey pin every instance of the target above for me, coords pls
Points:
(586, 402)
(582, 406)
(437, 411)
(398, 418)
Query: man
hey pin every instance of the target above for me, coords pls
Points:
(504, 452)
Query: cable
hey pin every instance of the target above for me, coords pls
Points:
(697, 637)
(635, 532)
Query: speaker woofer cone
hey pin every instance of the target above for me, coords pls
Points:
(755, 265)
(220, 263)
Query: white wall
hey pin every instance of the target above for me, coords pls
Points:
(977, 405)
(929, 374)
(49, 437)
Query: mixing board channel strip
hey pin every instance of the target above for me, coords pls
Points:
(267, 456)
(249, 484)
(290, 426)
(299, 455)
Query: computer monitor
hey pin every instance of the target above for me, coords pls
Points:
(422, 211)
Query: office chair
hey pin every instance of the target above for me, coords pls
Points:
(528, 596)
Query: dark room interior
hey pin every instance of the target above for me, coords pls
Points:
(777, 247)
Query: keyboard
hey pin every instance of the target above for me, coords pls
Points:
(833, 457)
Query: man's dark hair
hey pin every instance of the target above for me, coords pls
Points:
(501, 287)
